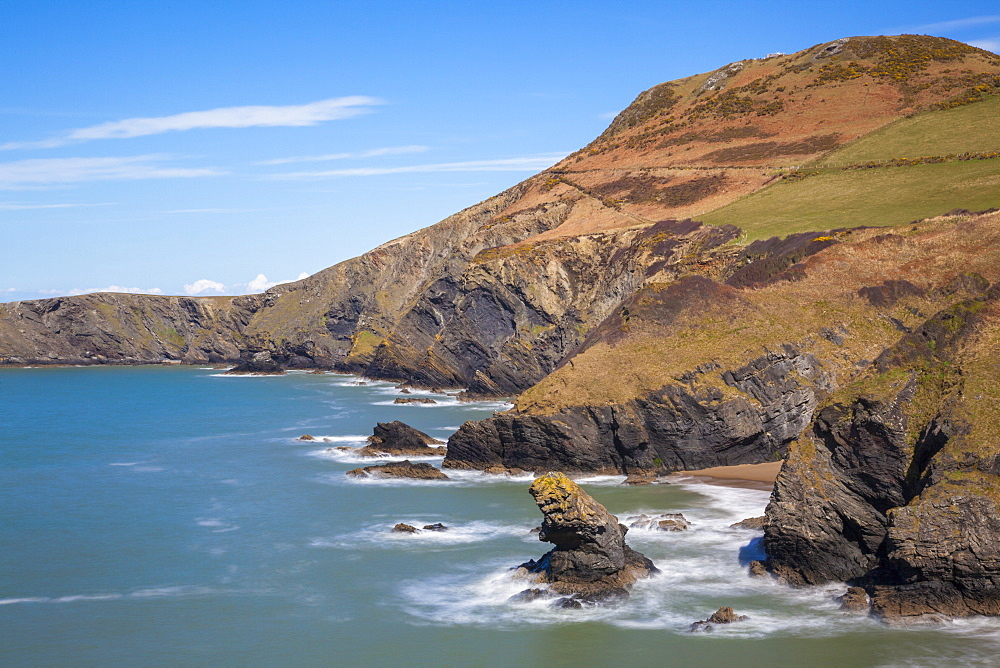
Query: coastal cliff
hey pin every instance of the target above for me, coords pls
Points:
(901, 473)
(746, 360)
(749, 264)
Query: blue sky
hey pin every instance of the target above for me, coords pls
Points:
(211, 147)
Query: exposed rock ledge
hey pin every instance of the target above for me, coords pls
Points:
(680, 427)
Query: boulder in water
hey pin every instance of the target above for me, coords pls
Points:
(855, 601)
(437, 526)
(404, 528)
(755, 523)
(399, 438)
(664, 522)
(724, 615)
(260, 364)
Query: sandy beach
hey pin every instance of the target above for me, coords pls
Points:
(754, 476)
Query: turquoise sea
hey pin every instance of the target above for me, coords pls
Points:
(169, 516)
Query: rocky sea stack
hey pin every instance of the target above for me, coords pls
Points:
(590, 562)
(399, 438)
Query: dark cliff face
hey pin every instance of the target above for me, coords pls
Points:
(764, 405)
(512, 315)
(124, 329)
(901, 473)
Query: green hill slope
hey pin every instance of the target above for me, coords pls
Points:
(916, 168)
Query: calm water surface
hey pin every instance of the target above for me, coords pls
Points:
(168, 516)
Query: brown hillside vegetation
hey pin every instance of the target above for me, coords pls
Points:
(846, 303)
(687, 147)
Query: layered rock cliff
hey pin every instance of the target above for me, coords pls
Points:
(124, 329)
(900, 472)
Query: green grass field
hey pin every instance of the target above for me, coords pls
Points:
(884, 196)
(974, 128)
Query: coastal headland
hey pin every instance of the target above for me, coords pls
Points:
(748, 267)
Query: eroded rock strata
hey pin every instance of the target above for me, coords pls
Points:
(403, 469)
(900, 472)
(675, 428)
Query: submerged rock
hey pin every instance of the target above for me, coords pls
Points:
(529, 595)
(664, 522)
(399, 438)
(590, 561)
(724, 615)
(306, 437)
(403, 469)
(413, 400)
(640, 479)
(404, 528)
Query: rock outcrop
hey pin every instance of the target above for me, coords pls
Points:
(900, 473)
(398, 438)
(404, 528)
(758, 409)
(258, 364)
(403, 469)
(724, 615)
(590, 562)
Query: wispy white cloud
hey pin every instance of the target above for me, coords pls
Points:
(8, 289)
(260, 283)
(375, 152)
(608, 114)
(111, 288)
(987, 44)
(44, 172)
(522, 164)
(204, 285)
(18, 206)
(959, 24)
(223, 117)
